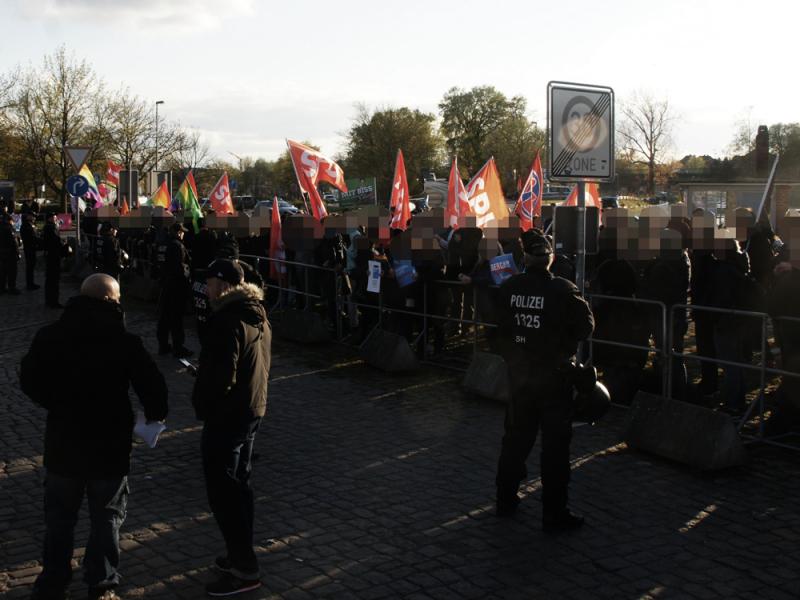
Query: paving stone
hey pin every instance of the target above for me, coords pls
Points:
(379, 487)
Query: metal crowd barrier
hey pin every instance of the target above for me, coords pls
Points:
(762, 367)
(665, 351)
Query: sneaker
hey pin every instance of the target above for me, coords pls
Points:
(32, 287)
(228, 585)
(162, 350)
(182, 352)
(223, 564)
(565, 521)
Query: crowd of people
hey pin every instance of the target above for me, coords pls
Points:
(649, 278)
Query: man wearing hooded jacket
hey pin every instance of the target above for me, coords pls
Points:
(230, 397)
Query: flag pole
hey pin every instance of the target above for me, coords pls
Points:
(297, 176)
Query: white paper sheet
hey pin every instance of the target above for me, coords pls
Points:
(148, 432)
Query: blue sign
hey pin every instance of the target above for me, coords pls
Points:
(234, 184)
(502, 267)
(77, 185)
(404, 272)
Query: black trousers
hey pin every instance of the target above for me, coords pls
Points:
(227, 451)
(52, 277)
(171, 306)
(30, 266)
(8, 274)
(542, 405)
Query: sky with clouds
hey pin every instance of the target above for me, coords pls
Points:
(250, 73)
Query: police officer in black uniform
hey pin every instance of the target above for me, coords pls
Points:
(108, 254)
(31, 243)
(54, 250)
(9, 256)
(175, 288)
(541, 319)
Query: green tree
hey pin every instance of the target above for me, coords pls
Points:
(375, 137)
(53, 107)
(472, 121)
(514, 144)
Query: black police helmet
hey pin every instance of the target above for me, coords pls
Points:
(592, 405)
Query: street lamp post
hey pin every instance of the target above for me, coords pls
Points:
(157, 103)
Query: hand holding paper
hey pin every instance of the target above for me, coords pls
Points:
(148, 432)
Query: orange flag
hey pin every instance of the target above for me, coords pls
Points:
(485, 195)
(220, 197)
(162, 196)
(457, 204)
(312, 168)
(277, 270)
(123, 209)
(399, 203)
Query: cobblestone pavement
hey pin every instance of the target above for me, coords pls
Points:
(374, 486)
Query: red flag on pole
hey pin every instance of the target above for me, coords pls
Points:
(485, 195)
(112, 172)
(592, 198)
(529, 203)
(312, 168)
(457, 204)
(277, 270)
(220, 197)
(399, 203)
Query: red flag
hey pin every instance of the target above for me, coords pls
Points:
(112, 172)
(312, 168)
(529, 203)
(220, 197)
(485, 195)
(457, 204)
(592, 198)
(399, 203)
(277, 270)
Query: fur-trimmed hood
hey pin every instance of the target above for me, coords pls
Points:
(244, 292)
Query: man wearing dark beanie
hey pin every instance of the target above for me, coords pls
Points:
(230, 397)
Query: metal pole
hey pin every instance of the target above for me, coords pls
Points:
(78, 231)
(580, 275)
(763, 382)
(581, 241)
(157, 103)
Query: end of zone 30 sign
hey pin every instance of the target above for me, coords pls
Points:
(581, 119)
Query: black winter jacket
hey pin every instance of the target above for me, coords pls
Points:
(79, 369)
(235, 358)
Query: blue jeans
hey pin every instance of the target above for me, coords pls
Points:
(227, 450)
(108, 500)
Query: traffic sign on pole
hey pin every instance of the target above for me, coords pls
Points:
(77, 155)
(77, 185)
(581, 120)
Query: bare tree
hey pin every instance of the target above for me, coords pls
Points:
(191, 151)
(646, 132)
(53, 107)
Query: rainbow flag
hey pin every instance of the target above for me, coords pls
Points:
(186, 199)
(161, 197)
(94, 192)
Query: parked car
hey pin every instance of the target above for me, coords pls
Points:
(610, 201)
(284, 208)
